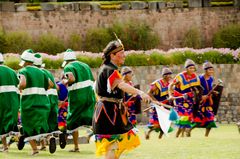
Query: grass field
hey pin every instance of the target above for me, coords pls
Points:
(223, 143)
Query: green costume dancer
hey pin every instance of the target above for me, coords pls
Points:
(9, 102)
(52, 95)
(34, 106)
(53, 99)
(81, 95)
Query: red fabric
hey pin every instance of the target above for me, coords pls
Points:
(177, 94)
(189, 77)
(115, 75)
(190, 94)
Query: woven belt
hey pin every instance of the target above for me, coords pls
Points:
(114, 100)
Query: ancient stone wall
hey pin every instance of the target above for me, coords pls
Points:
(229, 110)
(168, 21)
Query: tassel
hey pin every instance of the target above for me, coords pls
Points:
(173, 116)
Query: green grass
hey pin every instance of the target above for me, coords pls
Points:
(223, 143)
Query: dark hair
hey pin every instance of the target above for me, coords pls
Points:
(112, 48)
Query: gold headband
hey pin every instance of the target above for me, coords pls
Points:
(120, 48)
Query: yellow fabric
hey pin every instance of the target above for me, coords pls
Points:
(186, 86)
(128, 142)
(164, 93)
(158, 85)
(184, 118)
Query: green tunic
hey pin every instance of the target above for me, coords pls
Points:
(34, 106)
(53, 98)
(81, 95)
(9, 100)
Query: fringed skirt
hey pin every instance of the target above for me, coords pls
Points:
(112, 129)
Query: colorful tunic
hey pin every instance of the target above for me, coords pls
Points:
(130, 101)
(53, 99)
(161, 94)
(63, 106)
(35, 105)
(185, 106)
(81, 95)
(205, 115)
(110, 123)
(9, 100)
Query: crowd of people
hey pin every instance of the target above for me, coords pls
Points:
(36, 107)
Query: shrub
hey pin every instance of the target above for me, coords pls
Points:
(12, 61)
(137, 60)
(217, 58)
(2, 41)
(135, 35)
(159, 59)
(49, 43)
(17, 42)
(96, 40)
(227, 37)
(74, 42)
(92, 62)
(143, 58)
(53, 64)
(192, 39)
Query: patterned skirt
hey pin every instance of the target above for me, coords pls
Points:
(62, 116)
(185, 112)
(112, 129)
(205, 117)
(132, 116)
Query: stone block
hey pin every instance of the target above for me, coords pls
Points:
(76, 7)
(138, 5)
(152, 5)
(206, 3)
(194, 3)
(7, 6)
(84, 6)
(125, 6)
(161, 5)
(179, 4)
(170, 5)
(68, 6)
(236, 3)
(224, 99)
(47, 7)
(233, 95)
(96, 7)
(21, 7)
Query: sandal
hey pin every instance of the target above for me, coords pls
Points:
(74, 150)
(52, 145)
(35, 153)
(4, 149)
(21, 143)
(43, 148)
(62, 140)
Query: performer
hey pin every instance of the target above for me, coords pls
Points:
(62, 106)
(130, 100)
(81, 97)
(53, 99)
(185, 84)
(62, 112)
(113, 131)
(34, 106)
(159, 92)
(205, 115)
(9, 102)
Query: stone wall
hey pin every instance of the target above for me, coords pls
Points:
(167, 21)
(229, 110)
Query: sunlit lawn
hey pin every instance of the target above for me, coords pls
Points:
(223, 143)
